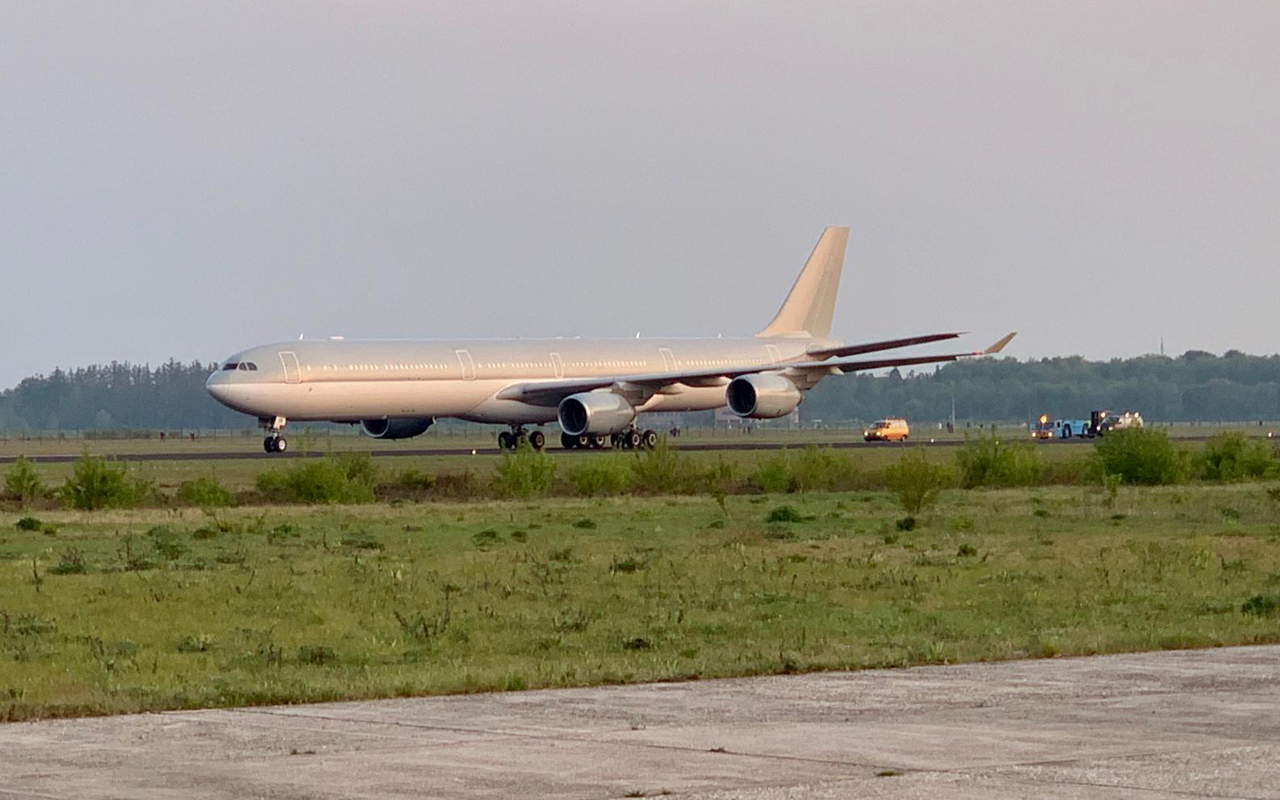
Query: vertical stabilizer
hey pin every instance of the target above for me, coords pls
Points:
(808, 308)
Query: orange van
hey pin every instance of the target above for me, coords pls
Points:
(888, 430)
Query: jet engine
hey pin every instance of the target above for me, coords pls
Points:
(595, 414)
(762, 396)
(395, 427)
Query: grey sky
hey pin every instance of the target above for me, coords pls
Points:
(185, 179)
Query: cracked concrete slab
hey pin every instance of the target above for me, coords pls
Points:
(1172, 724)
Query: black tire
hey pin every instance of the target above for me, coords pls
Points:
(632, 440)
(584, 442)
(650, 439)
(1066, 431)
(537, 440)
(281, 444)
(506, 441)
(268, 444)
(568, 442)
(598, 442)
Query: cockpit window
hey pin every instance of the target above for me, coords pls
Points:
(230, 365)
(252, 366)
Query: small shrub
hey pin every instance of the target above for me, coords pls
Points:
(1260, 606)
(413, 480)
(1231, 457)
(29, 523)
(637, 643)
(204, 532)
(70, 562)
(774, 476)
(989, 461)
(316, 654)
(345, 478)
(486, 539)
(525, 473)
(166, 543)
(96, 483)
(23, 482)
(600, 476)
(784, 514)
(916, 481)
(966, 550)
(585, 524)
(206, 492)
(628, 564)
(1142, 456)
(664, 470)
(905, 524)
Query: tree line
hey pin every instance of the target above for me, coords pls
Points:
(1196, 386)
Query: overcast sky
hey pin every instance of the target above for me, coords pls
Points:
(186, 179)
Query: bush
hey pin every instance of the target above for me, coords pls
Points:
(29, 524)
(784, 514)
(664, 470)
(71, 562)
(916, 481)
(988, 461)
(346, 478)
(600, 476)
(96, 483)
(1143, 456)
(774, 476)
(1231, 457)
(821, 469)
(23, 482)
(525, 473)
(206, 492)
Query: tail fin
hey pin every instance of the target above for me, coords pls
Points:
(808, 308)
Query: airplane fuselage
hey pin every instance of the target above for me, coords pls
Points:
(346, 381)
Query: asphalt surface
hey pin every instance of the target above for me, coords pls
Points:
(253, 450)
(1185, 724)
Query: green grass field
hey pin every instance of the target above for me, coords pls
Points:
(119, 611)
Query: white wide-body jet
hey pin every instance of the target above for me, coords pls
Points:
(594, 388)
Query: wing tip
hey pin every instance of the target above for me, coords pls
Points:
(998, 346)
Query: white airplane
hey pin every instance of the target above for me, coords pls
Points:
(594, 388)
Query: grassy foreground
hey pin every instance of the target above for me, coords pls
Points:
(115, 612)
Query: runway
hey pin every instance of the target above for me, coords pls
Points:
(1186, 724)
(253, 450)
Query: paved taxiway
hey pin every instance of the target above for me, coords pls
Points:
(1173, 724)
(252, 452)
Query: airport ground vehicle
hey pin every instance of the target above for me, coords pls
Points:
(892, 429)
(1098, 424)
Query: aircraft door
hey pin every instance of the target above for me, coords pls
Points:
(292, 373)
(557, 363)
(468, 366)
(668, 359)
(775, 356)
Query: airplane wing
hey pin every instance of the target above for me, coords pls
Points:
(550, 393)
(875, 347)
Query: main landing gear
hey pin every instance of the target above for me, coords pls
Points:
(632, 439)
(511, 440)
(274, 443)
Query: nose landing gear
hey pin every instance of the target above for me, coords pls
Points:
(274, 443)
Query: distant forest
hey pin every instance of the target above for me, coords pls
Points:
(1196, 386)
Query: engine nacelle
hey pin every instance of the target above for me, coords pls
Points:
(762, 396)
(396, 427)
(595, 414)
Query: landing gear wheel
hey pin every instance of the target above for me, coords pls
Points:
(615, 441)
(282, 444)
(269, 444)
(597, 442)
(650, 439)
(584, 442)
(631, 440)
(568, 442)
(506, 441)
(537, 440)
